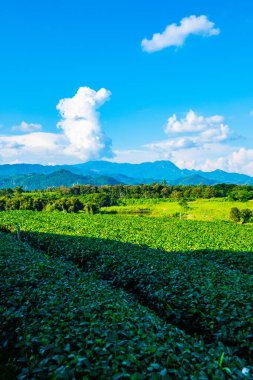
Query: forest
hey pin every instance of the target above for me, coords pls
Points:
(91, 198)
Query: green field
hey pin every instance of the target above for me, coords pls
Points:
(201, 209)
(156, 297)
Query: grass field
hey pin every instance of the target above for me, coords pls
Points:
(201, 209)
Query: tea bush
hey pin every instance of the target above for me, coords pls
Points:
(59, 323)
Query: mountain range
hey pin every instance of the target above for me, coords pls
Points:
(35, 176)
(61, 177)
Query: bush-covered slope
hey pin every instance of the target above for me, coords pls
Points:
(60, 323)
(199, 293)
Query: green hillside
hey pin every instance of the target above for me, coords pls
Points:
(56, 179)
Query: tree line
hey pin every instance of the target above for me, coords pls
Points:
(90, 198)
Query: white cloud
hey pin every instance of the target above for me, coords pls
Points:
(239, 160)
(175, 35)
(203, 143)
(192, 141)
(37, 147)
(172, 145)
(192, 131)
(251, 113)
(208, 158)
(27, 127)
(80, 124)
(192, 123)
(81, 137)
(195, 142)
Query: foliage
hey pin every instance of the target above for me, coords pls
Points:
(244, 215)
(214, 209)
(184, 204)
(235, 214)
(166, 233)
(60, 323)
(186, 278)
(104, 196)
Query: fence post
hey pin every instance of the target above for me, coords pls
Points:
(18, 231)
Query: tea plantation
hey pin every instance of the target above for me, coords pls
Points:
(111, 297)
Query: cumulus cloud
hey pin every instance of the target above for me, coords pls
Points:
(192, 123)
(237, 161)
(80, 124)
(192, 131)
(27, 127)
(197, 142)
(80, 138)
(175, 35)
(202, 143)
(207, 158)
(241, 159)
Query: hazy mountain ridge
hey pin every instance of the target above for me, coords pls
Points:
(161, 170)
(193, 179)
(58, 178)
(34, 176)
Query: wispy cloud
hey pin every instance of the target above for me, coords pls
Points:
(175, 35)
(27, 127)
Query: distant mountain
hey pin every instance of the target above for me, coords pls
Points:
(219, 176)
(147, 170)
(113, 173)
(19, 169)
(194, 179)
(124, 179)
(158, 170)
(56, 179)
(161, 170)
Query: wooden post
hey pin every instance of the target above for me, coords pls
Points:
(18, 231)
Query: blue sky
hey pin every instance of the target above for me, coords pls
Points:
(51, 49)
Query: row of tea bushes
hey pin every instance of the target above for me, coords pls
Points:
(169, 234)
(59, 323)
(242, 261)
(224, 243)
(198, 295)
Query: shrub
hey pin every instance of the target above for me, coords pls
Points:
(235, 214)
(246, 215)
(92, 208)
